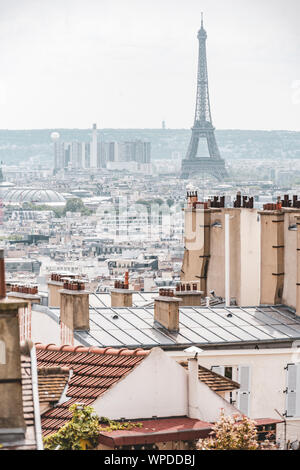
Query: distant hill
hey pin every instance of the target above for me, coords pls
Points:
(21, 145)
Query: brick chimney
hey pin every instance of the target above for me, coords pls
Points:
(12, 424)
(166, 309)
(30, 295)
(74, 306)
(197, 224)
(55, 284)
(121, 296)
(189, 293)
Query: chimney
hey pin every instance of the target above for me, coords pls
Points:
(298, 269)
(12, 424)
(166, 310)
(192, 198)
(189, 293)
(193, 388)
(30, 295)
(74, 308)
(121, 296)
(23, 292)
(197, 222)
(55, 284)
(272, 254)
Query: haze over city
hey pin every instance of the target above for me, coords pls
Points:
(132, 64)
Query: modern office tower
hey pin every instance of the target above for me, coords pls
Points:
(87, 154)
(59, 152)
(77, 155)
(135, 151)
(93, 153)
(203, 155)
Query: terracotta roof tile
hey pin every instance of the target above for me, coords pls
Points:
(217, 382)
(94, 370)
(51, 383)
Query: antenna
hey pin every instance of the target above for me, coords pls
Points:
(201, 19)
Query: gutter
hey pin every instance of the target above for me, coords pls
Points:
(36, 401)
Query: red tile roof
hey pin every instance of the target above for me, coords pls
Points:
(217, 382)
(94, 371)
(157, 430)
(51, 383)
(267, 421)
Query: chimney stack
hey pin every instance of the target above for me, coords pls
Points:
(30, 295)
(166, 310)
(189, 293)
(12, 424)
(2, 276)
(121, 296)
(193, 388)
(272, 254)
(74, 307)
(298, 269)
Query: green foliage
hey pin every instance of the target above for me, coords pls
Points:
(233, 433)
(76, 205)
(81, 433)
(116, 425)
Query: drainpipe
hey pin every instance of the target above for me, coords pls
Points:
(227, 260)
(284, 420)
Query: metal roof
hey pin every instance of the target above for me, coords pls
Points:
(201, 326)
(139, 299)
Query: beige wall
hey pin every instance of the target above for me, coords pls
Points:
(268, 380)
(290, 258)
(250, 258)
(244, 256)
(272, 257)
(197, 246)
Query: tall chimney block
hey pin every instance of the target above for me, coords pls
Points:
(166, 310)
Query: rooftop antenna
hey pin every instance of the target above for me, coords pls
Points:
(201, 19)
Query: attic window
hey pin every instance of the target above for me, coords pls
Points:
(115, 317)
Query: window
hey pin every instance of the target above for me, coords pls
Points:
(293, 390)
(240, 374)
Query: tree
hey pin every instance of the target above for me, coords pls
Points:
(82, 431)
(76, 205)
(78, 434)
(233, 433)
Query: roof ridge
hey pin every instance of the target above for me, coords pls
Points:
(93, 349)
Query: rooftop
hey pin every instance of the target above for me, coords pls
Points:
(215, 326)
(94, 371)
(216, 382)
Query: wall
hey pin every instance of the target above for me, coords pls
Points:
(156, 387)
(290, 258)
(267, 379)
(250, 258)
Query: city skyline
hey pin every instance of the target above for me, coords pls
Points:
(132, 64)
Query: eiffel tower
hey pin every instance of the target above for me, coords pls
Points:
(203, 155)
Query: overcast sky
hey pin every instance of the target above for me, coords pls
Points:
(133, 63)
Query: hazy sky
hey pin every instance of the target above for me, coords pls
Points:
(133, 63)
